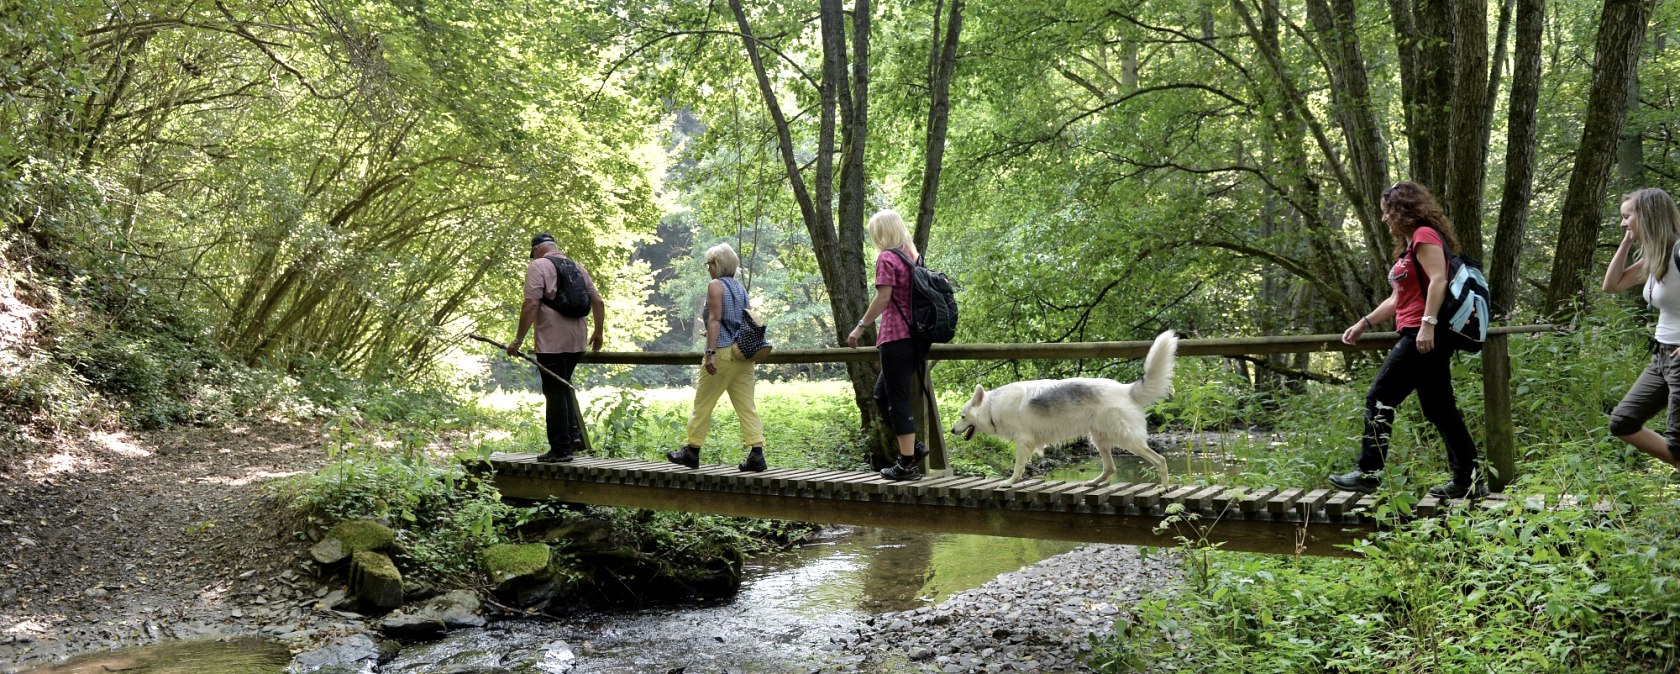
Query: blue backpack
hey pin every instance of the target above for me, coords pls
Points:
(1465, 310)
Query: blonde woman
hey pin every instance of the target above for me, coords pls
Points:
(1651, 223)
(723, 370)
(902, 356)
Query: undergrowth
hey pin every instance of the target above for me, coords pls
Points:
(1594, 587)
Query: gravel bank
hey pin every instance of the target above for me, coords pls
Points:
(1038, 619)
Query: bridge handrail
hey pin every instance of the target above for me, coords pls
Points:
(1234, 346)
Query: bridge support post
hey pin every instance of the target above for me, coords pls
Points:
(1496, 406)
(928, 428)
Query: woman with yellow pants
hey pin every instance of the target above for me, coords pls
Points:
(723, 370)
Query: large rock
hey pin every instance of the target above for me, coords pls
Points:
(375, 580)
(520, 572)
(354, 654)
(452, 610)
(352, 536)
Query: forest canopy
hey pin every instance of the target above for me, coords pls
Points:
(354, 183)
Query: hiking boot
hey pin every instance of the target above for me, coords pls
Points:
(1357, 481)
(901, 472)
(1457, 489)
(562, 456)
(687, 456)
(754, 463)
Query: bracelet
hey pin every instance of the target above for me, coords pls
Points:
(1367, 322)
(711, 352)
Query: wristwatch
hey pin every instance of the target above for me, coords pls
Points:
(1430, 320)
(711, 352)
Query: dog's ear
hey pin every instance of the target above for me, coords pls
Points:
(979, 394)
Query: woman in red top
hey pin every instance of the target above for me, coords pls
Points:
(1418, 361)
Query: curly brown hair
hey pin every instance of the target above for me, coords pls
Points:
(1413, 206)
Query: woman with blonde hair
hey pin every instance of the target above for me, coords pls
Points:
(1651, 223)
(724, 369)
(1418, 362)
(903, 356)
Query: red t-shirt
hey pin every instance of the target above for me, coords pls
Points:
(1409, 290)
(891, 271)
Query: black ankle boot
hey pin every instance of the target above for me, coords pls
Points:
(903, 469)
(687, 456)
(754, 463)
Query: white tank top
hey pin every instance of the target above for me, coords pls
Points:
(1665, 296)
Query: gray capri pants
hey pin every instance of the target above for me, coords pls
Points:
(1656, 387)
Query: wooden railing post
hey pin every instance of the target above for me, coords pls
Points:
(928, 428)
(1496, 408)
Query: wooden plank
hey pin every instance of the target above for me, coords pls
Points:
(1254, 503)
(1304, 509)
(1336, 507)
(1223, 502)
(1201, 500)
(1177, 494)
(1140, 499)
(1426, 507)
(1100, 498)
(1278, 504)
(1363, 507)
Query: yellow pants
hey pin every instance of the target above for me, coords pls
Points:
(735, 377)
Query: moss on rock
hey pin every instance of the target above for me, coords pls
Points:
(375, 580)
(360, 535)
(514, 560)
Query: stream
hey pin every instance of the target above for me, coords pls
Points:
(794, 610)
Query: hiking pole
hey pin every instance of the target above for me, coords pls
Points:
(533, 361)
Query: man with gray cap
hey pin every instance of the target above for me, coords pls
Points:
(559, 295)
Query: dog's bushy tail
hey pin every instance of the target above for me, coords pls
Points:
(1157, 371)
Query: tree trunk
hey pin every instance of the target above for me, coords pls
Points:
(942, 63)
(1621, 31)
(1502, 268)
(1351, 93)
(839, 254)
(1424, 38)
(1467, 145)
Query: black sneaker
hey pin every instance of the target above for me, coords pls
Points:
(754, 463)
(898, 471)
(687, 456)
(1456, 489)
(1357, 481)
(562, 456)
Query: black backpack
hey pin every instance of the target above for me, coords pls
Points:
(571, 296)
(1465, 310)
(933, 306)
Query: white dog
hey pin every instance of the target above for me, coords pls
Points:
(1037, 414)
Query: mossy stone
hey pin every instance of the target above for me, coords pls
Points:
(507, 561)
(360, 535)
(375, 580)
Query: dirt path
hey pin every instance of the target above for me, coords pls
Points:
(124, 540)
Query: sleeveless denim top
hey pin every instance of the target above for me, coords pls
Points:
(734, 305)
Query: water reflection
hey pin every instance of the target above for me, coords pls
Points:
(244, 656)
(792, 604)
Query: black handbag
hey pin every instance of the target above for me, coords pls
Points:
(749, 340)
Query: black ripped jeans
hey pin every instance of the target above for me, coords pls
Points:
(1430, 374)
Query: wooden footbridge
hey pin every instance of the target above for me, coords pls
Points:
(1272, 519)
(1284, 521)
